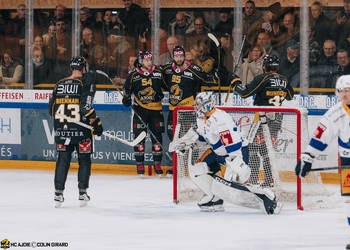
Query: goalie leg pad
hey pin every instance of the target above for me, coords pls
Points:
(236, 170)
(199, 175)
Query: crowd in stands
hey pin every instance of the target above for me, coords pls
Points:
(111, 38)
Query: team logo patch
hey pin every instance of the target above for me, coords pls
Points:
(60, 147)
(319, 130)
(85, 147)
(140, 148)
(226, 137)
(156, 148)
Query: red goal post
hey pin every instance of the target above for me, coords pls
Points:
(283, 150)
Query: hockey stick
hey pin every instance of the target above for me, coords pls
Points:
(236, 65)
(330, 168)
(217, 43)
(131, 144)
(138, 116)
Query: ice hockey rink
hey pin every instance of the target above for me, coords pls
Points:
(129, 212)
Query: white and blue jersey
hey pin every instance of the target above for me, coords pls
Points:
(335, 124)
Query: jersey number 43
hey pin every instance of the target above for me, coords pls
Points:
(69, 112)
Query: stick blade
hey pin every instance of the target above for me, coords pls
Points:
(138, 139)
(214, 39)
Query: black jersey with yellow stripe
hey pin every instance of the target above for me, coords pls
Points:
(270, 89)
(146, 87)
(184, 83)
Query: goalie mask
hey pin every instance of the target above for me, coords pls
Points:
(342, 83)
(204, 103)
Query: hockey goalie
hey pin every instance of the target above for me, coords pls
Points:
(217, 128)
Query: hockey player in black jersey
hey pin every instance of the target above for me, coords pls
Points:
(146, 82)
(184, 81)
(71, 101)
(270, 89)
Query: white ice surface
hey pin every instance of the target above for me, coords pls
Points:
(137, 213)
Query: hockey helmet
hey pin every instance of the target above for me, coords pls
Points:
(178, 50)
(342, 82)
(271, 62)
(77, 63)
(143, 55)
(204, 103)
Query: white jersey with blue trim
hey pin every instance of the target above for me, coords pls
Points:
(335, 124)
(221, 132)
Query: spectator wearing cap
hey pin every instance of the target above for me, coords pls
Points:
(226, 42)
(290, 62)
(132, 15)
(328, 56)
(319, 23)
(265, 22)
(252, 65)
(225, 23)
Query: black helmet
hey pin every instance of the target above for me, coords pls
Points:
(178, 50)
(271, 62)
(143, 54)
(77, 63)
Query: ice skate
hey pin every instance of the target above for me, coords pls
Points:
(84, 198)
(158, 169)
(140, 169)
(211, 204)
(59, 199)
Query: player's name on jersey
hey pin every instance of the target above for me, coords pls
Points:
(67, 100)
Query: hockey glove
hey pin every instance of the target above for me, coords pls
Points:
(304, 165)
(235, 80)
(97, 125)
(126, 101)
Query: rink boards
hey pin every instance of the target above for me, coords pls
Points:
(27, 136)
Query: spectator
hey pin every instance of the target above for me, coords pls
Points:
(328, 56)
(290, 63)
(120, 80)
(342, 68)
(10, 70)
(38, 42)
(264, 40)
(86, 19)
(227, 48)
(64, 43)
(50, 42)
(341, 24)
(181, 26)
(225, 22)
(199, 33)
(264, 22)
(345, 43)
(167, 57)
(60, 13)
(252, 66)
(319, 23)
(250, 16)
(42, 67)
(289, 30)
(15, 32)
(88, 45)
(132, 16)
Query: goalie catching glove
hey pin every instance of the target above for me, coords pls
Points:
(181, 144)
(97, 125)
(304, 165)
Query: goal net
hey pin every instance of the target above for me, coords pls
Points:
(274, 150)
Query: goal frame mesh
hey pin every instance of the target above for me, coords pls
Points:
(295, 111)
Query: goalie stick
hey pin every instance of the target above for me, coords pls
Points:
(330, 168)
(138, 116)
(131, 144)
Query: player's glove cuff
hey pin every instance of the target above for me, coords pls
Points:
(97, 125)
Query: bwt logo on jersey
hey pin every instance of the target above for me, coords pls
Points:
(157, 74)
(67, 88)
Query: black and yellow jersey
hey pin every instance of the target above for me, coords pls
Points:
(146, 87)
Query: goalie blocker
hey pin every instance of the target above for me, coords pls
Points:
(221, 133)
